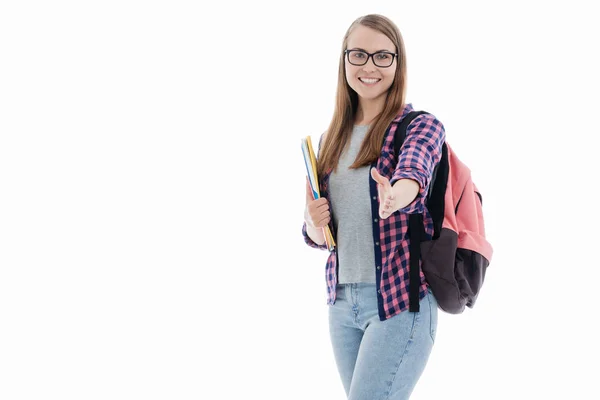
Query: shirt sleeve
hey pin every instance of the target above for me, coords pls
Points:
(310, 242)
(307, 238)
(419, 154)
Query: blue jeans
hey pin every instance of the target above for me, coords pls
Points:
(377, 359)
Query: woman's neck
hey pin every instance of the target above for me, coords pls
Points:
(368, 110)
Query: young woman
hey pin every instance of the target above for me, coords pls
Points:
(381, 347)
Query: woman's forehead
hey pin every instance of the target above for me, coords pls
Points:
(368, 39)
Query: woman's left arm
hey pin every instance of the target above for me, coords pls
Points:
(419, 154)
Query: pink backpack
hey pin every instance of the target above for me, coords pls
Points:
(456, 258)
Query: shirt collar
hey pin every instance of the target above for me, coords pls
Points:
(408, 107)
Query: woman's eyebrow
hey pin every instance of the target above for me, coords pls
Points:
(358, 48)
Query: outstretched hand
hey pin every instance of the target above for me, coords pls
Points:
(387, 199)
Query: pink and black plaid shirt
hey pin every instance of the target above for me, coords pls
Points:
(420, 152)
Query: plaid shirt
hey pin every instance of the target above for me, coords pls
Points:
(420, 152)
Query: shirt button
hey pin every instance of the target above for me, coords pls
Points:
(379, 267)
(374, 197)
(376, 243)
(379, 291)
(375, 220)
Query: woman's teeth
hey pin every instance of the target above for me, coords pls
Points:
(369, 80)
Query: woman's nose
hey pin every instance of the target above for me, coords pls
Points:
(369, 66)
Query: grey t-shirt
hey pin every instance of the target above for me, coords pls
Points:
(351, 208)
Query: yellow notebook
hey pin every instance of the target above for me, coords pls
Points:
(310, 160)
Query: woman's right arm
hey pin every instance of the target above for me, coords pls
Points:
(316, 217)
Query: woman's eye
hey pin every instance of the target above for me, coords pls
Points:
(383, 56)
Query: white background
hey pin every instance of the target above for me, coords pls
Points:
(152, 194)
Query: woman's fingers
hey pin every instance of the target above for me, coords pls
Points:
(386, 207)
(324, 221)
(385, 194)
(319, 212)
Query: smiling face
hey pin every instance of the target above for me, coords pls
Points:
(369, 81)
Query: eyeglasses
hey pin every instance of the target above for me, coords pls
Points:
(381, 59)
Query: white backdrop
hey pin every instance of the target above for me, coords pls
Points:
(152, 194)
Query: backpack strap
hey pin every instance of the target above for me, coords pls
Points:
(415, 228)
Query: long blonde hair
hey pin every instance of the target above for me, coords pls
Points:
(346, 104)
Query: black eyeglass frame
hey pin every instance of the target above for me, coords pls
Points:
(370, 55)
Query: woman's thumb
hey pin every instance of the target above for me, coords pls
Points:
(376, 176)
